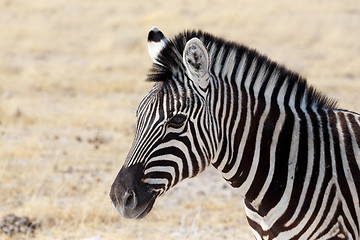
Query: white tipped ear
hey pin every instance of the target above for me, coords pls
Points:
(196, 60)
(156, 42)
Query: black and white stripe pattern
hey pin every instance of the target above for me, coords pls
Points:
(294, 156)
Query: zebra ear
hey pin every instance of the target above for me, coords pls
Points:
(196, 60)
(156, 42)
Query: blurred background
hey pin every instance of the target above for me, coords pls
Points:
(72, 75)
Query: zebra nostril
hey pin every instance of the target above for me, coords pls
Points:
(130, 200)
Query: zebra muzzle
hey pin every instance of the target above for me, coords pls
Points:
(131, 197)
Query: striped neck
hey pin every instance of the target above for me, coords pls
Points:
(252, 100)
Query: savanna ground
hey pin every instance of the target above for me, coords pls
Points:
(72, 74)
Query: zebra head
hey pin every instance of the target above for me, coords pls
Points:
(172, 140)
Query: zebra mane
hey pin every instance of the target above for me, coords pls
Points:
(170, 63)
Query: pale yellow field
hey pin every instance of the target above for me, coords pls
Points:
(72, 74)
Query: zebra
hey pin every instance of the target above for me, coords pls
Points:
(293, 155)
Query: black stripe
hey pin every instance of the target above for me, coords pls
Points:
(166, 175)
(197, 148)
(355, 171)
(176, 152)
(244, 100)
(327, 177)
(266, 137)
(221, 127)
(342, 180)
(254, 225)
(203, 140)
(325, 214)
(355, 128)
(225, 55)
(279, 180)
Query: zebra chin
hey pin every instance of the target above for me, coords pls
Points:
(131, 197)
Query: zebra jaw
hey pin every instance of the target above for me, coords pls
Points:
(130, 196)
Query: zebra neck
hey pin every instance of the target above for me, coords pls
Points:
(255, 100)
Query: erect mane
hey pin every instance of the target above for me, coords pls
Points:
(170, 63)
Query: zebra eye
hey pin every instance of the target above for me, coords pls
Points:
(177, 121)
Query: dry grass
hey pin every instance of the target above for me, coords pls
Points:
(72, 74)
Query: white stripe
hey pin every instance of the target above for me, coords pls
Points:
(169, 157)
(218, 61)
(282, 205)
(275, 137)
(355, 145)
(329, 215)
(234, 169)
(167, 169)
(349, 179)
(318, 184)
(259, 82)
(183, 148)
(157, 181)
